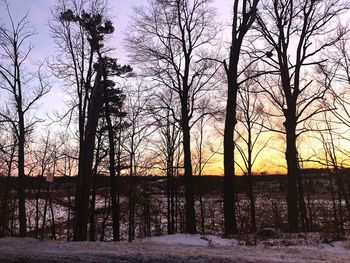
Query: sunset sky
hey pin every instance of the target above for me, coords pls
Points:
(272, 159)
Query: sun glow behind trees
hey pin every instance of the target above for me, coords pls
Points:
(270, 160)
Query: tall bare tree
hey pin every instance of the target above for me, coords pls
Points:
(296, 31)
(169, 40)
(167, 129)
(175, 36)
(137, 133)
(15, 48)
(249, 143)
(244, 14)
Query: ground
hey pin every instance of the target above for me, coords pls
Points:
(171, 248)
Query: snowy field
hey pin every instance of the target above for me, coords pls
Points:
(171, 248)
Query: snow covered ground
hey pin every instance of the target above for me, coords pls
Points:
(171, 248)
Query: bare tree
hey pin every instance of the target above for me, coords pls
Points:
(244, 14)
(15, 48)
(295, 32)
(332, 160)
(175, 38)
(44, 156)
(161, 109)
(248, 143)
(203, 154)
(135, 144)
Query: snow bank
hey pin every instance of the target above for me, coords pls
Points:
(169, 249)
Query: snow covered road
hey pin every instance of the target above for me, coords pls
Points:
(181, 248)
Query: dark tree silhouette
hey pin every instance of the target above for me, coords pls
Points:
(113, 113)
(169, 40)
(15, 48)
(161, 109)
(244, 14)
(137, 132)
(248, 143)
(96, 28)
(75, 59)
(295, 31)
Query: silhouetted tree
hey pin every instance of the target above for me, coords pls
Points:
(295, 34)
(161, 109)
(203, 154)
(15, 48)
(249, 131)
(244, 14)
(96, 28)
(113, 113)
(74, 62)
(137, 133)
(169, 40)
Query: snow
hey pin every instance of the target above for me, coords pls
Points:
(178, 239)
(171, 248)
(192, 240)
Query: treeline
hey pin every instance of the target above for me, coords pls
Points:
(188, 97)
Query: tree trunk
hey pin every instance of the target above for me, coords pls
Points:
(37, 208)
(229, 171)
(170, 194)
(251, 200)
(190, 213)
(92, 236)
(131, 199)
(112, 174)
(293, 174)
(53, 226)
(86, 161)
(250, 175)
(21, 176)
(119, 153)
